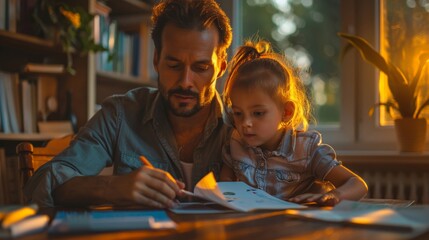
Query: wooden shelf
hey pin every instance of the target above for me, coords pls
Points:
(109, 83)
(113, 77)
(30, 136)
(18, 49)
(28, 43)
(87, 86)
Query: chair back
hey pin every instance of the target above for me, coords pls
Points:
(31, 158)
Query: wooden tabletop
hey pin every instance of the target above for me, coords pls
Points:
(256, 225)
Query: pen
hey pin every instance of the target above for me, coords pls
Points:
(146, 162)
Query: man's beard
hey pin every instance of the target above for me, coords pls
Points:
(182, 110)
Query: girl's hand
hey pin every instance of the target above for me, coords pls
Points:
(325, 199)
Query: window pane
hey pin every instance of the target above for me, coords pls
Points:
(404, 35)
(306, 32)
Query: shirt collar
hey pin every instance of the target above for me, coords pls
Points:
(285, 148)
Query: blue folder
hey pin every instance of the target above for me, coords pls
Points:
(66, 222)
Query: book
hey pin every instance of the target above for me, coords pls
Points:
(107, 221)
(62, 127)
(3, 14)
(11, 214)
(46, 86)
(30, 225)
(19, 220)
(9, 109)
(2, 177)
(28, 111)
(43, 68)
(237, 196)
(370, 214)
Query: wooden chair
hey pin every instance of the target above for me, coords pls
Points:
(30, 158)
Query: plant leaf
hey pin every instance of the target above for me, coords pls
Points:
(425, 104)
(396, 80)
(401, 91)
(423, 59)
(387, 105)
(367, 52)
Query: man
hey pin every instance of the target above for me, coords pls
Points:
(177, 128)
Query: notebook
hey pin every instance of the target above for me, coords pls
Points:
(237, 196)
(106, 221)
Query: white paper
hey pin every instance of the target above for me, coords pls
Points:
(239, 196)
(368, 214)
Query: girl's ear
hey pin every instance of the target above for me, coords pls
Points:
(289, 111)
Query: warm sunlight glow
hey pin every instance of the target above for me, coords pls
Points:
(17, 216)
(386, 216)
(373, 217)
(403, 38)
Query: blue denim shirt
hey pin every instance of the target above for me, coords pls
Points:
(300, 160)
(127, 127)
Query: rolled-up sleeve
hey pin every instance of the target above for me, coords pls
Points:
(87, 155)
(44, 182)
(323, 158)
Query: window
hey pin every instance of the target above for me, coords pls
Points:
(404, 35)
(342, 89)
(305, 32)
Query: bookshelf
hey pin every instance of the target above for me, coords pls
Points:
(131, 20)
(90, 84)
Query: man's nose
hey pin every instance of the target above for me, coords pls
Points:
(187, 77)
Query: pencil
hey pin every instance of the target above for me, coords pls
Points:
(145, 162)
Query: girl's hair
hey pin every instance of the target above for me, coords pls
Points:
(256, 66)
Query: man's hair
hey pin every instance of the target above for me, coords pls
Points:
(191, 14)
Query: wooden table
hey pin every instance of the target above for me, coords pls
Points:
(244, 226)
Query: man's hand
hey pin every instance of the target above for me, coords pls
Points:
(156, 188)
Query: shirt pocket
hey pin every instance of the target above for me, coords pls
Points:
(243, 171)
(287, 176)
(130, 160)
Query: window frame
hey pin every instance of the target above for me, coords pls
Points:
(359, 80)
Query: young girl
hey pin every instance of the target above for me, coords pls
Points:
(270, 147)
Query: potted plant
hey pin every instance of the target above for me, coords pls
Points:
(70, 25)
(404, 95)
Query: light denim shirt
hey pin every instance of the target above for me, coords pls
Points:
(300, 160)
(127, 127)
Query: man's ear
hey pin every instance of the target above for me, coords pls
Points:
(222, 69)
(155, 60)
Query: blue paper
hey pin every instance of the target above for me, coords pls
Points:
(104, 221)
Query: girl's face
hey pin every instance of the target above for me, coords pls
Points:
(257, 117)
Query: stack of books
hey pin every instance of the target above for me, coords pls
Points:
(20, 220)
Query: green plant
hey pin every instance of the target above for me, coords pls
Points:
(404, 91)
(71, 25)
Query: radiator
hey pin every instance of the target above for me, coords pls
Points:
(390, 174)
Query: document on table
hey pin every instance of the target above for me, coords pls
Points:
(20, 220)
(105, 221)
(233, 195)
(361, 213)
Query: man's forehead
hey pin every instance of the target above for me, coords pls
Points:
(178, 43)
